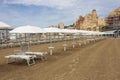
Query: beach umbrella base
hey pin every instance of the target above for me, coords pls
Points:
(65, 47)
(51, 50)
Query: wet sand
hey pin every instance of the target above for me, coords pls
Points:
(95, 61)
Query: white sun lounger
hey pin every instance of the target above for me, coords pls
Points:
(26, 51)
(28, 58)
(41, 54)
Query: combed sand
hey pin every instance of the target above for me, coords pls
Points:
(96, 61)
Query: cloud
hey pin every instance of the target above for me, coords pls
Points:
(59, 4)
(50, 12)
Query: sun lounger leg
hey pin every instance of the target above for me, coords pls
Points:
(33, 60)
(43, 58)
(28, 62)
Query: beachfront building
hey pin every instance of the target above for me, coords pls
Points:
(61, 25)
(90, 22)
(113, 19)
(53, 26)
(4, 32)
(79, 22)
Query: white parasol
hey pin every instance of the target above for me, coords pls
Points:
(27, 29)
(4, 26)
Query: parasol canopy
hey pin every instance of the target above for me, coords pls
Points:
(27, 29)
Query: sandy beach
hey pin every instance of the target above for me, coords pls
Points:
(95, 61)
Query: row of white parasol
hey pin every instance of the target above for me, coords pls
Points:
(33, 29)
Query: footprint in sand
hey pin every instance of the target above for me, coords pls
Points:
(60, 77)
(72, 70)
(76, 61)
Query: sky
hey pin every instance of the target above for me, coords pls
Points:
(44, 13)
